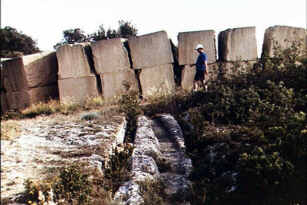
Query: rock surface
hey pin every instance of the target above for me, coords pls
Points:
(237, 44)
(24, 98)
(150, 50)
(77, 89)
(187, 41)
(157, 81)
(110, 56)
(284, 37)
(29, 71)
(47, 143)
(158, 156)
(113, 85)
(73, 61)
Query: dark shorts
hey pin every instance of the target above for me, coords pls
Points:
(200, 75)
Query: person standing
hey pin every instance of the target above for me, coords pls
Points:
(201, 68)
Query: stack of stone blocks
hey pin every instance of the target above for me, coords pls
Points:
(77, 81)
(152, 56)
(81, 71)
(111, 62)
(237, 51)
(187, 55)
(28, 80)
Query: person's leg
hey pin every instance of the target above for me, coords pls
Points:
(195, 85)
(205, 82)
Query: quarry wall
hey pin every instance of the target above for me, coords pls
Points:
(145, 64)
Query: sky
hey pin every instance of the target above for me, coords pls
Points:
(45, 20)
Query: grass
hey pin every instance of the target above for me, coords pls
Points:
(54, 106)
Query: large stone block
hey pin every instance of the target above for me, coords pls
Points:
(14, 76)
(4, 105)
(187, 41)
(150, 50)
(24, 98)
(77, 90)
(116, 84)
(110, 56)
(188, 75)
(157, 81)
(284, 36)
(73, 61)
(29, 72)
(238, 44)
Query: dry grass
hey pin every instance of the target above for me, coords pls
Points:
(9, 130)
(54, 106)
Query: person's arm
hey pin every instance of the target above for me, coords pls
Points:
(206, 64)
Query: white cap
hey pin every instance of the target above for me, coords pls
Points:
(199, 46)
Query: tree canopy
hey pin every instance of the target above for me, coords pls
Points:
(125, 29)
(14, 43)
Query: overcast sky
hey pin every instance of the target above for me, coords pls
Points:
(44, 20)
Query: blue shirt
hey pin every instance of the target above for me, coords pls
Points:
(200, 62)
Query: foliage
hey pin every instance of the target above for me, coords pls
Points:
(247, 136)
(72, 185)
(125, 29)
(14, 43)
(129, 104)
(153, 192)
(118, 168)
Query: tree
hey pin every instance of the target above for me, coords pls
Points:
(71, 36)
(126, 29)
(14, 43)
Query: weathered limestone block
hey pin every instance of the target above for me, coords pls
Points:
(110, 56)
(188, 74)
(284, 36)
(157, 81)
(238, 44)
(230, 69)
(4, 105)
(145, 141)
(24, 98)
(77, 90)
(30, 71)
(144, 167)
(116, 84)
(150, 50)
(73, 61)
(187, 41)
(187, 77)
(128, 194)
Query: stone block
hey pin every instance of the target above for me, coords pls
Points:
(116, 84)
(187, 41)
(29, 71)
(187, 77)
(238, 44)
(77, 90)
(188, 74)
(21, 99)
(231, 69)
(284, 36)
(150, 50)
(110, 56)
(73, 61)
(4, 105)
(14, 76)
(157, 81)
